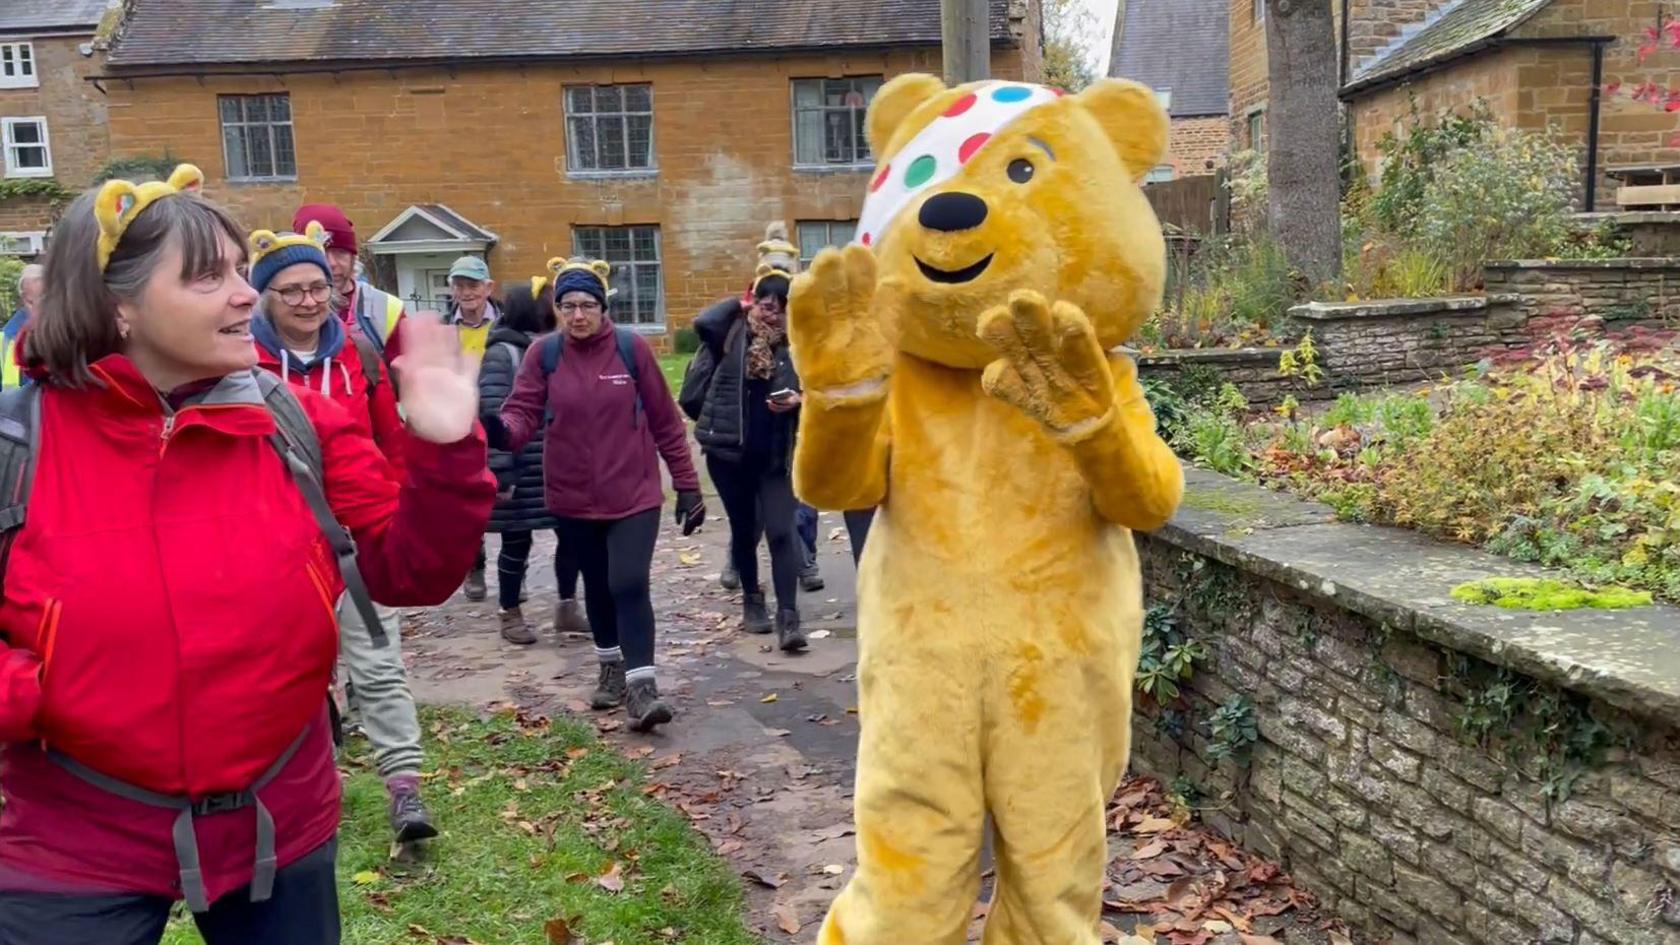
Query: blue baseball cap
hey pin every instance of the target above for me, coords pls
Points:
(470, 267)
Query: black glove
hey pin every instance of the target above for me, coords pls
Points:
(691, 510)
(495, 432)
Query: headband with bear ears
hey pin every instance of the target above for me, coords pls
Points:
(538, 284)
(599, 268)
(120, 201)
(264, 242)
(768, 271)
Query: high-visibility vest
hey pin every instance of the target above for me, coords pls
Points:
(376, 326)
(11, 375)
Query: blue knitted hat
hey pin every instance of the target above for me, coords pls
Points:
(581, 279)
(271, 253)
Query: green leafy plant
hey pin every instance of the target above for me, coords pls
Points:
(685, 341)
(1547, 594)
(1302, 362)
(1233, 729)
(10, 269)
(1168, 656)
(28, 188)
(1530, 721)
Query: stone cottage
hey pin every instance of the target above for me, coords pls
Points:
(1179, 48)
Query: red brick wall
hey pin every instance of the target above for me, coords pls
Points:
(76, 122)
(1248, 69)
(1197, 141)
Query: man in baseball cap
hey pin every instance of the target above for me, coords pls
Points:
(472, 310)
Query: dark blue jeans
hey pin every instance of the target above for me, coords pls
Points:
(805, 522)
(302, 911)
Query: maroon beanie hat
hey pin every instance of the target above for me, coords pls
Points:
(341, 232)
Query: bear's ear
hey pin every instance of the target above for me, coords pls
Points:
(894, 103)
(1132, 117)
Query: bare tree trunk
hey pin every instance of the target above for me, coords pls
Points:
(967, 39)
(1303, 140)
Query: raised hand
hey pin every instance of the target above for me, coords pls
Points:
(1052, 368)
(842, 326)
(437, 380)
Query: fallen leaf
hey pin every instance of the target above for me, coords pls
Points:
(612, 880)
(769, 882)
(519, 784)
(833, 869)
(1237, 922)
(559, 932)
(1217, 926)
(769, 697)
(669, 761)
(1337, 938)
(729, 846)
(1268, 940)
(576, 753)
(785, 919)
(365, 878)
(1148, 850)
(1154, 825)
(689, 558)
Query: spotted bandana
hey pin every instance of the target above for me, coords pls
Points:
(941, 149)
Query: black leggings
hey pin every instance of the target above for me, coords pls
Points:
(511, 563)
(759, 500)
(616, 558)
(302, 911)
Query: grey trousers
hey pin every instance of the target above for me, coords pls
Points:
(379, 690)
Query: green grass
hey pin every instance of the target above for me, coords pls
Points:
(533, 815)
(673, 365)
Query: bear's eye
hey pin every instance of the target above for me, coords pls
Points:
(1020, 170)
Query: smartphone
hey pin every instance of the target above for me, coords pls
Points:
(783, 396)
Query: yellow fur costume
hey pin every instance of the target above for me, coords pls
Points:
(958, 374)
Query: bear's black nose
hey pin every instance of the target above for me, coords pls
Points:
(949, 213)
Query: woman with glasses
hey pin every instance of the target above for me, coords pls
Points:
(613, 419)
(299, 339)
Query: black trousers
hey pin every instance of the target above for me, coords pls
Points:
(616, 558)
(758, 498)
(514, 559)
(302, 911)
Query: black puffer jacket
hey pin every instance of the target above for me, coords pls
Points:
(721, 421)
(522, 510)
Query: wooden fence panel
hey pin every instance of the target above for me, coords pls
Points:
(1194, 205)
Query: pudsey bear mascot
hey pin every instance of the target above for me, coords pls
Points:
(960, 373)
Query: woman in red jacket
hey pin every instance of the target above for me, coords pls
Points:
(168, 605)
(613, 418)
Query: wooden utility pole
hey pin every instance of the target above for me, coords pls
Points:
(966, 34)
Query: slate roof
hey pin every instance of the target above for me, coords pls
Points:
(208, 32)
(1179, 45)
(1455, 28)
(27, 15)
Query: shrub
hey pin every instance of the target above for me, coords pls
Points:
(685, 341)
(1410, 161)
(10, 269)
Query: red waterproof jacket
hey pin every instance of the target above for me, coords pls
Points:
(337, 370)
(601, 451)
(168, 617)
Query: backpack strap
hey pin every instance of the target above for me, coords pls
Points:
(20, 436)
(296, 442)
(551, 351)
(370, 358)
(627, 353)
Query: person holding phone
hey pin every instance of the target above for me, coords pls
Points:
(613, 419)
(746, 398)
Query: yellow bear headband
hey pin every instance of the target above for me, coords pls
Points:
(264, 242)
(538, 284)
(598, 268)
(121, 201)
(767, 271)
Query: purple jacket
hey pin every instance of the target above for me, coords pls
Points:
(600, 455)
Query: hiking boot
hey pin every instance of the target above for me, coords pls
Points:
(609, 689)
(408, 815)
(788, 635)
(569, 618)
(645, 708)
(474, 588)
(754, 618)
(514, 628)
(730, 578)
(810, 578)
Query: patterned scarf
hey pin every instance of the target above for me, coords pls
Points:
(761, 356)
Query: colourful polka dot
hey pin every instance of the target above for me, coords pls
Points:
(961, 105)
(880, 178)
(921, 171)
(972, 145)
(1012, 93)
(867, 239)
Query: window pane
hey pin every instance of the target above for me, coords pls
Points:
(611, 132)
(587, 242)
(860, 136)
(280, 107)
(839, 234)
(583, 143)
(256, 108)
(647, 294)
(285, 155)
(233, 142)
(807, 93)
(646, 249)
(230, 108)
(26, 132)
(580, 98)
(837, 144)
(258, 149)
(8, 62)
(617, 245)
(870, 86)
(638, 98)
(31, 157)
(26, 59)
(641, 140)
(808, 137)
(609, 98)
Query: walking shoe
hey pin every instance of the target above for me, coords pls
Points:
(810, 578)
(754, 618)
(609, 690)
(569, 618)
(514, 628)
(408, 813)
(730, 578)
(645, 708)
(474, 588)
(788, 635)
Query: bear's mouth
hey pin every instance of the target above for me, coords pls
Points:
(955, 276)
